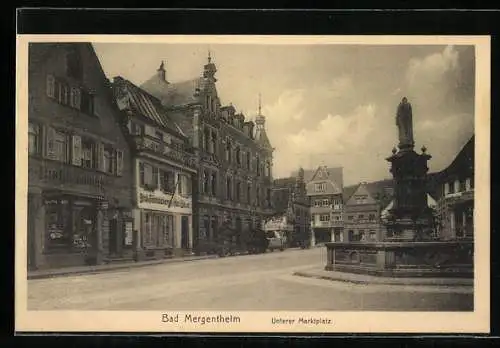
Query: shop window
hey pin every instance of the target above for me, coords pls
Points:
(148, 232)
(204, 231)
(168, 230)
(33, 139)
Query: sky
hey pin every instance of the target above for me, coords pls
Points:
(331, 105)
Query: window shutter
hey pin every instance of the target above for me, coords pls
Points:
(77, 150)
(51, 136)
(51, 81)
(119, 162)
(188, 185)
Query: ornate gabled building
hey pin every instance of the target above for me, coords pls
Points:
(291, 205)
(233, 155)
(163, 174)
(324, 187)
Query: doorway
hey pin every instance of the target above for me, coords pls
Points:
(184, 232)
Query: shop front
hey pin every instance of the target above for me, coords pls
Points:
(164, 225)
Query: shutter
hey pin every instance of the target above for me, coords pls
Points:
(188, 185)
(119, 162)
(76, 150)
(51, 81)
(155, 177)
(51, 137)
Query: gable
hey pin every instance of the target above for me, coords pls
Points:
(361, 196)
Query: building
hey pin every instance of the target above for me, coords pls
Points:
(79, 197)
(456, 196)
(233, 155)
(324, 187)
(366, 205)
(164, 171)
(291, 208)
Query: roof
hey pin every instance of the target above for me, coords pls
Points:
(143, 103)
(334, 173)
(464, 161)
(173, 94)
(382, 190)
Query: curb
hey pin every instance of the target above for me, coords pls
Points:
(380, 282)
(94, 270)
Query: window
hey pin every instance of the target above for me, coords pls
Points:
(351, 236)
(206, 139)
(350, 218)
(258, 166)
(361, 199)
(184, 184)
(205, 227)
(149, 176)
(214, 184)
(228, 150)
(228, 188)
(249, 193)
(238, 156)
(268, 169)
(238, 191)
(86, 102)
(462, 185)
(75, 98)
(268, 196)
(61, 147)
(167, 180)
(257, 193)
(74, 66)
(168, 224)
(451, 187)
(50, 86)
(324, 217)
(205, 182)
(373, 235)
(320, 187)
(371, 217)
(88, 153)
(214, 142)
(109, 164)
(249, 160)
(159, 135)
(362, 235)
(361, 216)
(33, 139)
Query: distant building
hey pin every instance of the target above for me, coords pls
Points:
(456, 196)
(233, 155)
(163, 170)
(79, 189)
(324, 187)
(291, 207)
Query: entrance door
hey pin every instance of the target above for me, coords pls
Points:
(184, 232)
(113, 236)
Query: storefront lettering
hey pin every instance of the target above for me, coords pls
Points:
(176, 202)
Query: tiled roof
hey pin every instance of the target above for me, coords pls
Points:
(464, 161)
(146, 105)
(173, 94)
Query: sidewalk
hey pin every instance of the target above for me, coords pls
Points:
(72, 271)
(368, 279)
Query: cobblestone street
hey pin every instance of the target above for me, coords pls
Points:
(250, 282)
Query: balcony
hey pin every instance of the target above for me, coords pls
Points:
(171, 151)
(63, 175)
(458, 197)
(326, 224)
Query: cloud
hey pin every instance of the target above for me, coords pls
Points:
(334, 137)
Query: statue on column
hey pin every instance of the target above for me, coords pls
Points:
(405, 124)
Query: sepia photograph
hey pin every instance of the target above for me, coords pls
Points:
(265, 183)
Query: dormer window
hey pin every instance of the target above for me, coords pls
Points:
(74, 66)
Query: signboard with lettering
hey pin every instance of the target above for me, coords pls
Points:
(164, 202)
